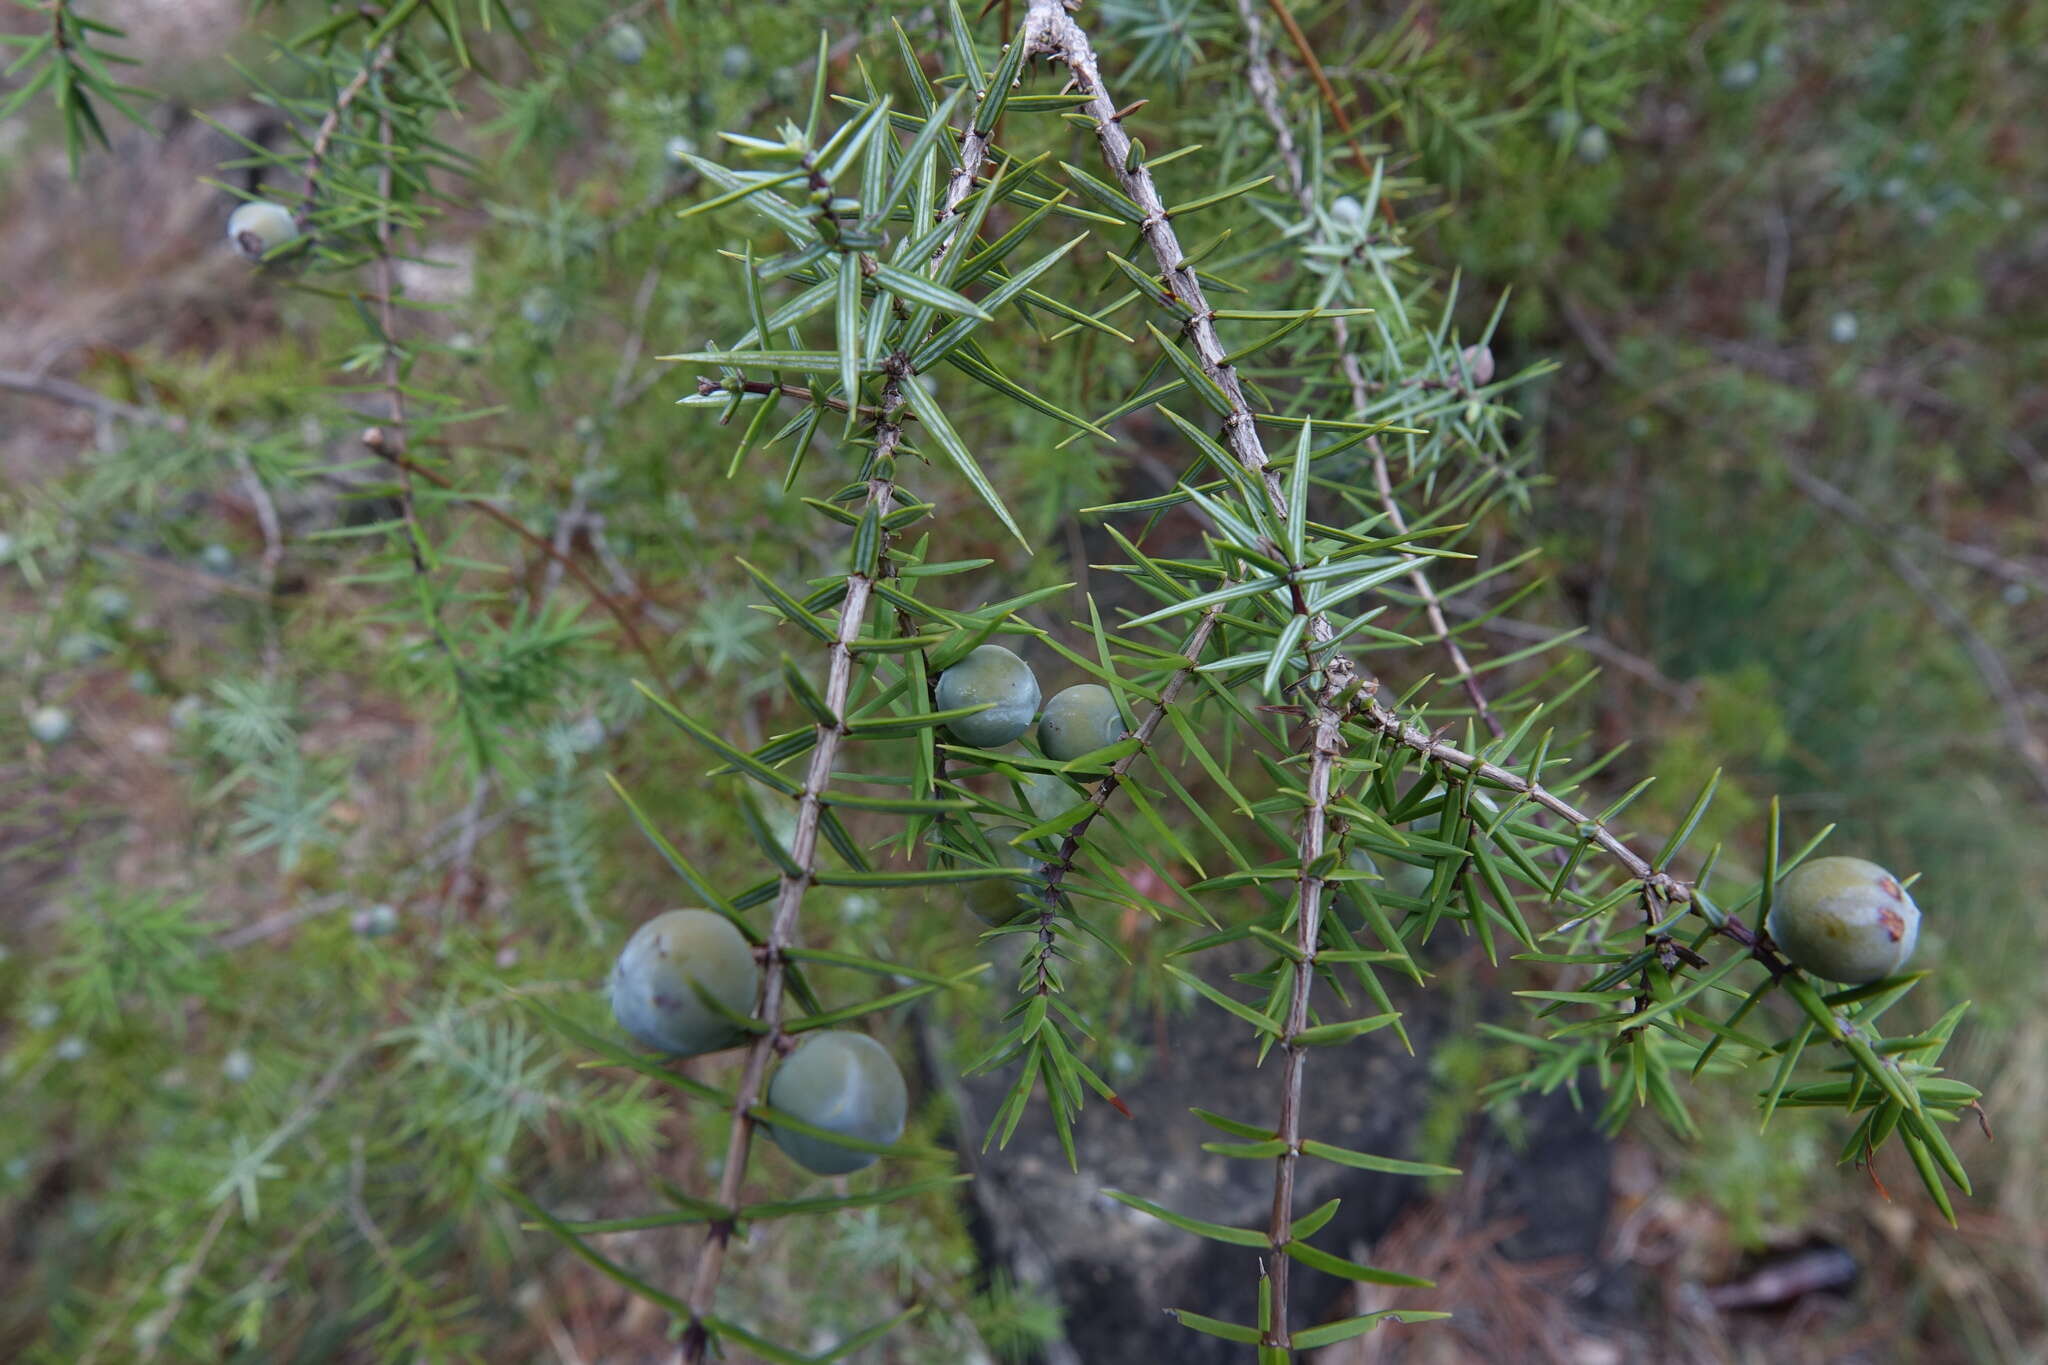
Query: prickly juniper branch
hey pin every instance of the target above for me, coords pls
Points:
(1064, 40)
(1259, 74)
(803, 849)
(1055, 871)
(1060, 37)
(1342, 697)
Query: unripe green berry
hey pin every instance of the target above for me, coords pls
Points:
(375, 922)
(108, 603)
(655, 982)
(1403, 879)
(260, 227)
(540, 308)
(626, 44)
(999, 902)
(1346, 211)
(1592, 145)
(845, 1083)
(80, 647)
(1046, 795)
(1079, 720)
(993, 676)
(1844, 919)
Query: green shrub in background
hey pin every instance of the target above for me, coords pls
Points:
(912, 308)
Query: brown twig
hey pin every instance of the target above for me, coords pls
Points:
(1056, 871)
(1307, 52)
(378, 443)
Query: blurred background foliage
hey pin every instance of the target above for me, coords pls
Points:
(260, 909)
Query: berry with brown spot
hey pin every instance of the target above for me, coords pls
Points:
(1844, 919)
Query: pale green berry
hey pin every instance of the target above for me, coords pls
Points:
(993, 677)
(1561, 124)
(237, 1066)
(260, 227)
(1842, 328)
(678, 150)
(1046, 795)
(540, 308)
(1740, 75)
(999, 902)
(1079, 720)
(627, 44)
(655, 982)
(49, 724)
(1346, 211)
(375, 922)
(80, 647)
(735, 62)
(217, 557)
(1592, 145)
(845, 1083)
(1402, 879)
(1845, 919)
(109, 603)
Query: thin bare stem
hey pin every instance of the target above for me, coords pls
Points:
(1307, 52)
(1056, 871)
(1259, 74)
(273, 555)
(79, 396)
(2021, 741)
(323, 138)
